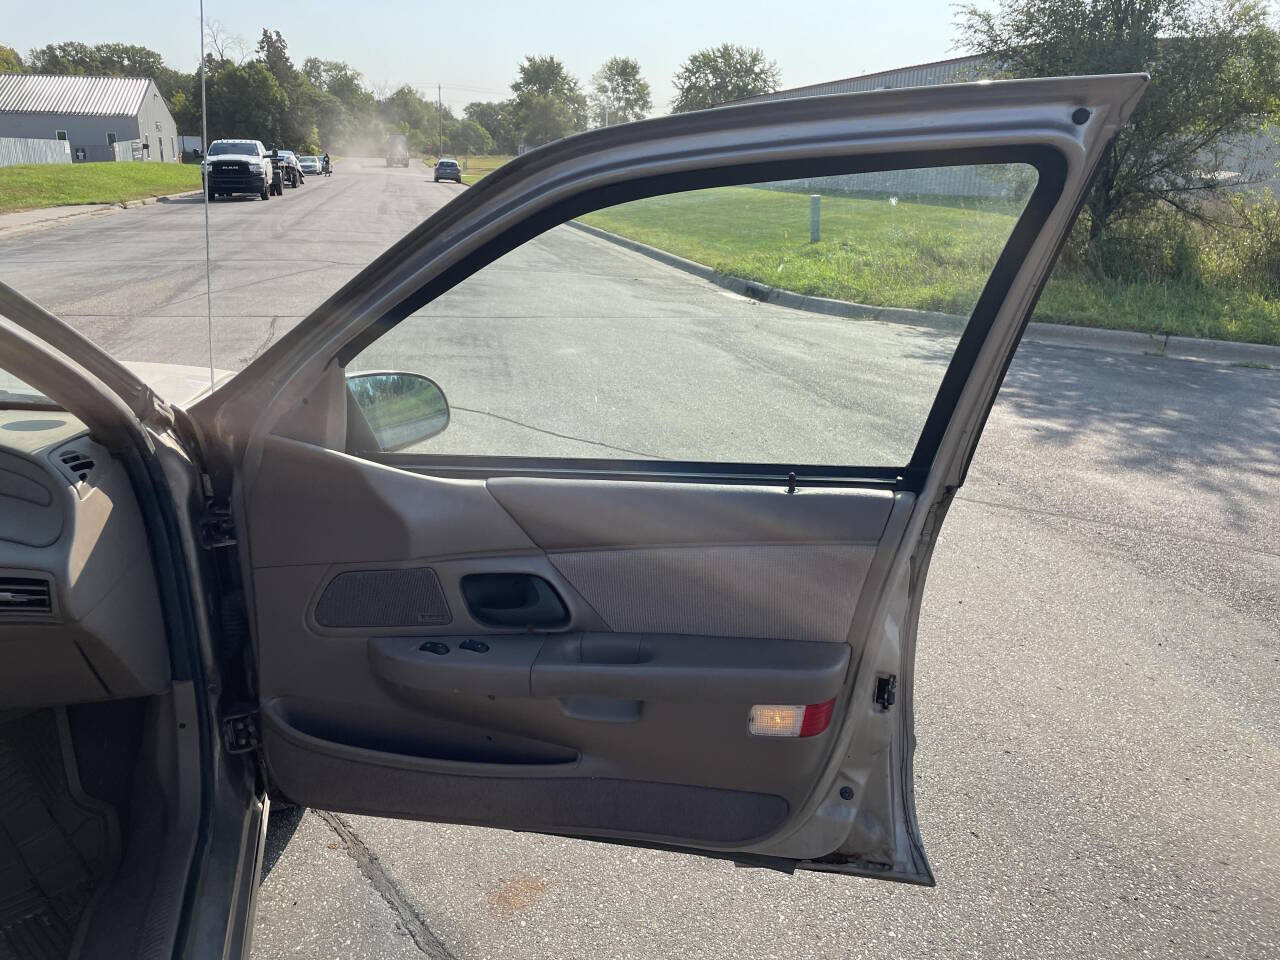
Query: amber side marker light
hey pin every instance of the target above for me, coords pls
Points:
(790, 720)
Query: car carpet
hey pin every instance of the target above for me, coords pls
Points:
(56, 843)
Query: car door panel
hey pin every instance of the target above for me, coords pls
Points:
(691, 593)
(757, 588)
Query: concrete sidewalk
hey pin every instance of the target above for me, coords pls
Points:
(46, 216)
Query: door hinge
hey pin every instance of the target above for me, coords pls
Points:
(156, 413)
(217, 527)
(886, 690)
(240, 732)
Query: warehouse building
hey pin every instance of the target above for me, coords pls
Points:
(957, 70)
(92, 114)
(960, 182)
(1249, 162)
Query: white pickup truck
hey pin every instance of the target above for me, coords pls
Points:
(237, 166)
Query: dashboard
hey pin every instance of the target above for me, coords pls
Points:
(80, 617)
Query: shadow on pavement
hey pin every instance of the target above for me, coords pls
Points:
(1172, 419)
(281, 826)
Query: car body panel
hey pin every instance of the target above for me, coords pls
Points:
(232, 173)
(848, 810)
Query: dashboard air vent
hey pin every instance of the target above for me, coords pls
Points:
(25, 595)
(79, 464)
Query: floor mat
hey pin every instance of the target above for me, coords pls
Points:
(55, 843)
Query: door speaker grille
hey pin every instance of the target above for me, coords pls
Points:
(384, 598)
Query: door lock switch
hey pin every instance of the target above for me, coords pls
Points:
(475, 646)
(435, 646)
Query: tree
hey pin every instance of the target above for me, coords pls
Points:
(618, 93)
(720, 74)
(10, 60)
(243, 101)
(186, 113)
(541, 118)
(1213, 66)
(296, 125)
(547, 77)
(104, 59)
(273, 52)
(469, 137)
(497, 120)
(225, 45)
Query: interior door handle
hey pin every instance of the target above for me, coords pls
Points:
(513, 600)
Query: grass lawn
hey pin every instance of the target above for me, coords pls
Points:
(923, 256)
(477, 168)
(31, 186)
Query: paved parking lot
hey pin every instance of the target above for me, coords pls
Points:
(1098, 692)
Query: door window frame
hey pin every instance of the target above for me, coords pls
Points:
(1051, 167)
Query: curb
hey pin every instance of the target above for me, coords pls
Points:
(147, 201)
(91, 209)
(1052, 334)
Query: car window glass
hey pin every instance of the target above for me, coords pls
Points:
(18, 393)
(799, 321)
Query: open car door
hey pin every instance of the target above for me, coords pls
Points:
(647, 586)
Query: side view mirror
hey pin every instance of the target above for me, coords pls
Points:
(389, 411)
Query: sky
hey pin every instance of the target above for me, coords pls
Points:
(473, 51)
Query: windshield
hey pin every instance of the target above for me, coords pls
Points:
(18, 393)
(234, 147)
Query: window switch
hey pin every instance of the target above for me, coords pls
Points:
(475, 646)
(435, 646)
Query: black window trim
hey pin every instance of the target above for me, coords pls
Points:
(1051, 169)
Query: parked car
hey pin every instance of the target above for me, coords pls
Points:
(284, 589)
(290, 160)
(310, 165)
(397, 150)
(236, 166)
(286, 165)
(448, 169)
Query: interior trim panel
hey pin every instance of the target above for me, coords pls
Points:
(363, 782)
(611, 697)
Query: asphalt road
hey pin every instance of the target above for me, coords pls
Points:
(1098, 691)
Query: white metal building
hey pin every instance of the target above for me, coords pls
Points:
(1250, 161)
(90, 113)
(958, 70)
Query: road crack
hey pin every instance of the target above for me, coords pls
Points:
(266, 342)
(371, 867)
(561, 436)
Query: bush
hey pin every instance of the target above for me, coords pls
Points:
(1251, 261)
(1236, 246)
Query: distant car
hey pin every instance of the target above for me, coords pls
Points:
(236, 166)
(310, 165)
(448, 169)
(397, 150)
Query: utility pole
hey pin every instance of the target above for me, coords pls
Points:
(440, 120)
